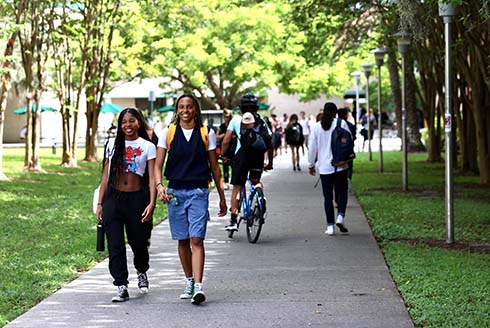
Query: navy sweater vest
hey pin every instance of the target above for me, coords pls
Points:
(187, 162)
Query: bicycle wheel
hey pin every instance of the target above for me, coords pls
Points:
(256, 219)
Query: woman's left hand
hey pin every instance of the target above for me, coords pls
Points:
(148, 213)
(222, 208)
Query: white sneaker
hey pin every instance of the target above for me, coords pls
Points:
(330, 230)
(340, 224)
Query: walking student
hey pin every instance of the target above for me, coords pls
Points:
(295, 139)
(305, 124)
(320, 149)
(191, 161)
(126, 199)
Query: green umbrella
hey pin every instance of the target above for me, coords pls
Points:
(110, 108)
(263, 106)
(168, 108)
(23, 110)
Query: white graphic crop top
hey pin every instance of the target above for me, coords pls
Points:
(138, 152)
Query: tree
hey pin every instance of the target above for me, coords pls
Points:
(35, 18)
(366, 25)
(69, 74)
(6, 76)
(220, 49)
(100, 19)
(471, 62)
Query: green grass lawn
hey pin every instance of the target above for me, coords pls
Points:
(48, 232)
(442, 286)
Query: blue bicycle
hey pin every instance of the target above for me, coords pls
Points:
(253, 209)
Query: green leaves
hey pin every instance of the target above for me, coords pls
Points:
(221, 46)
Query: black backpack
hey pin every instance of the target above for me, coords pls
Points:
(294, 135)
(256, 138)
(342, 146)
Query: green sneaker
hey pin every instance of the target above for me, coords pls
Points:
(188, 290)
(198, 296)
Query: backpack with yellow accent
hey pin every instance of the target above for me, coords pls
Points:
(173, 127)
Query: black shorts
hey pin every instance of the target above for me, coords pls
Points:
(245, 162)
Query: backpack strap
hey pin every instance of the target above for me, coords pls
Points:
(170, 134)
(205, 135)
(204, 131)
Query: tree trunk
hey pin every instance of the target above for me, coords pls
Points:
(434, 149)
(68, 157)
(392, 64)
(92, 125)
(414, 140)
(4, 93)
(35, 163)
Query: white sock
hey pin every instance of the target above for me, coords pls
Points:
(198, 286)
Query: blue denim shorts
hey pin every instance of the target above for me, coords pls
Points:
(189, 217)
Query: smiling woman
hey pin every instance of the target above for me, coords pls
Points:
(127, 199)
(191, 162)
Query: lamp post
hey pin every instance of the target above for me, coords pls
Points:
(403, 40)
(357, 78)
(151, 98)
(446, 11)
(367, 71)
(379, 55)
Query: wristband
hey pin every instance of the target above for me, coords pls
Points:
(158, 184)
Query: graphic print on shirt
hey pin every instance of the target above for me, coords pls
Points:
(131, 155)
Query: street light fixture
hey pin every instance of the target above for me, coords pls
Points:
(446, 11)
(403, 40)
(367, 71)
(151, 98)
(357, 78)
(379, 55)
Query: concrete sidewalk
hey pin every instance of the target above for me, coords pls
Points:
(295, 276)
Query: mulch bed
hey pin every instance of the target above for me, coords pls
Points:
(481, 247)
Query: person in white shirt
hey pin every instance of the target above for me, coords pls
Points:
(320, 151)
(305, 124)
(127, 199)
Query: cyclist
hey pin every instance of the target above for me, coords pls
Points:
(247, 158)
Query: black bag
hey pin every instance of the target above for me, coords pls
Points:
(294, 135)
(342, 146)
(256, 138)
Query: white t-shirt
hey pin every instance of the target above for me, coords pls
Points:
(320, 144)
(162, 139)
(138, 153)
(305, 126)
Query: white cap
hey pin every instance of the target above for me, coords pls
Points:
(248, 118)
